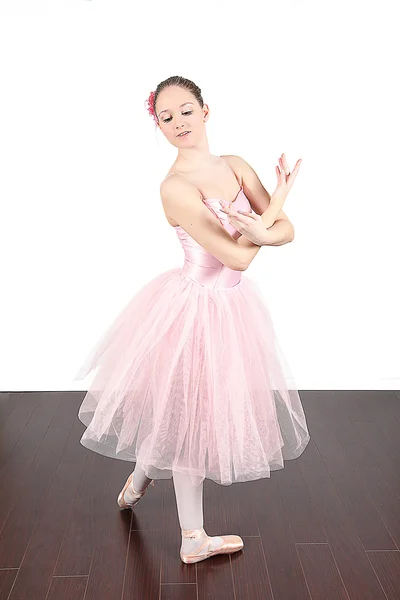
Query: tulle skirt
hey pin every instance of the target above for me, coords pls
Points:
(192, 379)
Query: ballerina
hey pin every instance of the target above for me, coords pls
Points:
(191, 381)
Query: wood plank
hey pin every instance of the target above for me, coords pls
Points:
(38, 564)
(67, 588)
(355, 569)
(321, 573)
(282, 561)
(29, 497)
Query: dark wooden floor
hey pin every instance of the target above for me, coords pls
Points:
(327, 526)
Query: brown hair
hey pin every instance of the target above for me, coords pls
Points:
(182, 82)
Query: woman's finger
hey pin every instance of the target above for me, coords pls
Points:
(235, 223)
(247, 214)
(297, 166)
(240, 216)
(293, 174)
(236, 219)
(284, 165)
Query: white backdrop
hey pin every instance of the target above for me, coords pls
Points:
(83, 227)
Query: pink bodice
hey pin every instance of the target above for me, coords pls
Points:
(200, 266)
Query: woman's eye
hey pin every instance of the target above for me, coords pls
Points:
(189, 112)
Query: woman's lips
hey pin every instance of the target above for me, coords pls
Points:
(185, 134)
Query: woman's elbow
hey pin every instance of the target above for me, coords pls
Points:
(240, 266)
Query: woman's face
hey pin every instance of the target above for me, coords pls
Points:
(178, 111)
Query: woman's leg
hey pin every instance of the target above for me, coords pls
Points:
(139, 480)
(189, 502)
(139, 483)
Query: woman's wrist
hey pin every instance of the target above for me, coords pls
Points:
(269, 215)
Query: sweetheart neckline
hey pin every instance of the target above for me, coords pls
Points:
(232, 201)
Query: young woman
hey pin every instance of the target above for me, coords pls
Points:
(192, 382)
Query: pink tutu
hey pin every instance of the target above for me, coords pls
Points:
(191, 378)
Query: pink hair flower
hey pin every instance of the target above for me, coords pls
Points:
(150, 106)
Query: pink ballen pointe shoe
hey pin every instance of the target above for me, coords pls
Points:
(137, 495)
(232, 543)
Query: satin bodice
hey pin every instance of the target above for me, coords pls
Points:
(200, 266)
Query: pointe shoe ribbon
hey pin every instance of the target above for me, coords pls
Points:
(231, 543)
(137, 495)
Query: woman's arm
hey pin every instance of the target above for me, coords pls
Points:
(281, 232)
(278, 228)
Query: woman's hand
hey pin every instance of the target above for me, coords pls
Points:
(248, 224)
(285, 181)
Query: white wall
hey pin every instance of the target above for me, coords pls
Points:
(82, 223)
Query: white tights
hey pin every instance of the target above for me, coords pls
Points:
(189, 502)
(189, 498)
